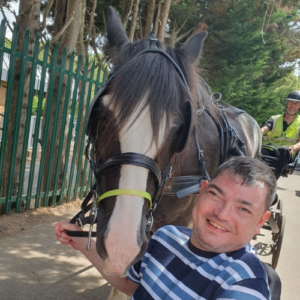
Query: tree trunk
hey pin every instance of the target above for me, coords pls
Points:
(126, 10)
(60, 15)
(165, 10)
(133, 19)
(29, 17)
(149, 21)
(157, 19)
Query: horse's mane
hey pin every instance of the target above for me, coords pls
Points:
(153, 77)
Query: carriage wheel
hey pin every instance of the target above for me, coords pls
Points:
(277, 238)
(277, 216)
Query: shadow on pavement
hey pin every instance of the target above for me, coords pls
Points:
(34, 266)
(279, 188)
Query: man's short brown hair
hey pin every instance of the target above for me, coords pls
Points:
(252, 172)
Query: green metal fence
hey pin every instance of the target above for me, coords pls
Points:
(91, 78)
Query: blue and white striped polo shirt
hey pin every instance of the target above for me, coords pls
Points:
(173, 268)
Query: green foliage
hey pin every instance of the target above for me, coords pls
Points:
(35, 104)
(248, 42)
(7, 43)
(242, 63)
(101, 11)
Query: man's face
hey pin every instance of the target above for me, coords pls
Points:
(227, 214)
(292, 107)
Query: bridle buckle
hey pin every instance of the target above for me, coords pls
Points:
(79, 222)
(93, 213)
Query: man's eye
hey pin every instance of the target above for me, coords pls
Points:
(243, 209)
(212, 193)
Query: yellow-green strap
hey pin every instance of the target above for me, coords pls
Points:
(130, 192)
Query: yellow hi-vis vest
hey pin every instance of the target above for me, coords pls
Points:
(277, 137)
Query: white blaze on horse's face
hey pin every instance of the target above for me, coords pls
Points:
(123, 237)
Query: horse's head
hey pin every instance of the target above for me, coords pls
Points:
(138, 121)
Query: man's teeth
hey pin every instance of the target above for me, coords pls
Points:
(217, 225)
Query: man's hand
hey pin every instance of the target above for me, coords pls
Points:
(292, 149)
(78, 243)
(264, 130)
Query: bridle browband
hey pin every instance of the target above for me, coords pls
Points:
(129, 158)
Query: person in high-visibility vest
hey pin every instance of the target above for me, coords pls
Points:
(283, 132)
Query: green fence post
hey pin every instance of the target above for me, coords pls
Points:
(54, 132)
(37, 126)
(78, 122)
(2, 44)
(9, 90)
(86, 161)
(87, 104)
(65, 171)
(17, 122)
(46, 125)
(63, 124)
(28, 121)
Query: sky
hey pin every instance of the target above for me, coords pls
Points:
(10, 17)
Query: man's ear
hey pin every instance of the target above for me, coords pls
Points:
(262, 221)
(116, 34)
(193, 47)
(204, 183)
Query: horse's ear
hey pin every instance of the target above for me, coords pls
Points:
(194, 45)
(116, 34)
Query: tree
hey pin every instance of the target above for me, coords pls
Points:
(244, 57)
(28, 17)
(243, 63)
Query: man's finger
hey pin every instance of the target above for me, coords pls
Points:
(65, 236)
(64, 241)
(70, 227)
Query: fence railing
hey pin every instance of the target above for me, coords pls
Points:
(76, 85)
(32, 129)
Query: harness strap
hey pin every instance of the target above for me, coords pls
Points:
(165, 54)
(200, 156)
(130, 192)
(81, 218)
(223, 137)
(231, 135)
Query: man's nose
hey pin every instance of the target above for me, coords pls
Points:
(224, 211)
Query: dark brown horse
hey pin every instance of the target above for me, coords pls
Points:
(143, 111)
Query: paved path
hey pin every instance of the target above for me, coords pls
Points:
(289, 265)
(34, 266)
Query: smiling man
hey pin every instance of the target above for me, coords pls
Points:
(214, 260)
